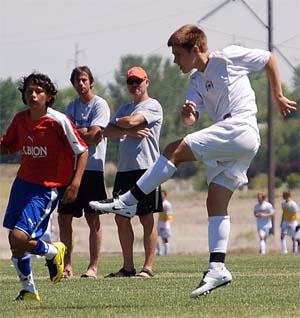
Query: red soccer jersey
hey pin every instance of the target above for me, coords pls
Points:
(48, 147)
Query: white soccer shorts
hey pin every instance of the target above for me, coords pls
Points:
(227, 149)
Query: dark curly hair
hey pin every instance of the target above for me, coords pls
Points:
(41, 80)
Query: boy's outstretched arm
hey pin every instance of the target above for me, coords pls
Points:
(284, 105)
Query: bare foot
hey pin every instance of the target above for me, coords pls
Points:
(90, 273)
(68, 273)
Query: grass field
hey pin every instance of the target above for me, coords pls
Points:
(265, 286)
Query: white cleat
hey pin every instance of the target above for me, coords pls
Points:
(115, 206)
(211, 280)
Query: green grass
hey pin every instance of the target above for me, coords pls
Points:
(265, 286)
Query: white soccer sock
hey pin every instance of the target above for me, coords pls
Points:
(27, 281)
(52, 251)
(159, 172)
(262, 245)
(157, 249)
(218, 233)
(216, 265)
(295, 246)
(284, 249)
(166, 249)
(128, 198)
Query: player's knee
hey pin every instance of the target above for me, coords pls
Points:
(173, 151)
(170, 150)
(121, 221)
(17, 246)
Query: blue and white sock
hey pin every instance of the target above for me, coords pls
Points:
(23, 269)
(44, 249)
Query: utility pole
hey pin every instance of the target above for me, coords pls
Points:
(76, 55)
(271, 152)
(75, 60)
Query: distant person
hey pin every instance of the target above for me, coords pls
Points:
(49, 145)
(90, 114)
(263, 211)
(165, 218)
(137, 125)
(297, 236)
(289, 221)
(220, 85)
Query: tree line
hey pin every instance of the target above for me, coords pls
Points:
(168, 85)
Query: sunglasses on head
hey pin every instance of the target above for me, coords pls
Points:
(134, 80)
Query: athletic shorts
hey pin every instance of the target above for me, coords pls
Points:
(288, 228)
(264, 231)
(29, 207)
(297, 232)
(163, 229)
(124, 181)
(227, 149)
(91, 188)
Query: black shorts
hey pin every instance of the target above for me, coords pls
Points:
(92, 188)
(124, 181)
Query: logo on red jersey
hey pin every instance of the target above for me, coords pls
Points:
(35, 151)
(30, 138)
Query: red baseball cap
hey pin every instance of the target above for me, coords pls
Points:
(138, 72)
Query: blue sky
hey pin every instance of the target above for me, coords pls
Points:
(44, 35)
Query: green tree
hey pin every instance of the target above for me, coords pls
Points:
(64, 97)
(296, 84)
(10, 102)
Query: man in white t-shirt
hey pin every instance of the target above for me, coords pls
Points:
(263, 211)
(220, 86)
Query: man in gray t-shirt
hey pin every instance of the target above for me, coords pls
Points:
(137, 125)
(90, 114)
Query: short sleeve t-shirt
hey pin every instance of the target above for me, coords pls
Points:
(140, 153)
(224, 87)
(94, 113)
(48, 147)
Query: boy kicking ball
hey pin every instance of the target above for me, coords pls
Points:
(221, 87)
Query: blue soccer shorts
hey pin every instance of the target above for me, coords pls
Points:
(29, 207)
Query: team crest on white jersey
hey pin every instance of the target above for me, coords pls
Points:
(209, 85)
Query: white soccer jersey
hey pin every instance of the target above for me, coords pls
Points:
(265, 222)
(224, 86)
(223, 89)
